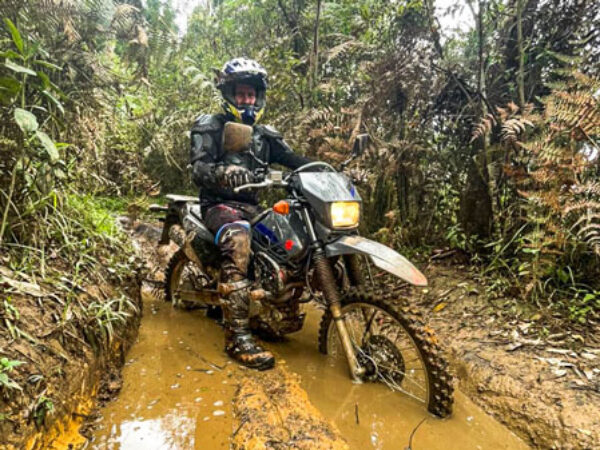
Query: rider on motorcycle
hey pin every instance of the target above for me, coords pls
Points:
(243, 85)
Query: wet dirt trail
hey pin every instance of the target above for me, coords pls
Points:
(177, 385)
(178, 389)
(386, 419)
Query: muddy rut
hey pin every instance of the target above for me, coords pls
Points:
(180, 391)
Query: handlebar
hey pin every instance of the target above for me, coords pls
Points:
(275, 177)
(272, 178)
(262, 184)
(310, 165)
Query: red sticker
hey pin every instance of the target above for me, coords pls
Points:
(289, 244)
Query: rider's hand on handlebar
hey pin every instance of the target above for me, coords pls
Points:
(233, 176)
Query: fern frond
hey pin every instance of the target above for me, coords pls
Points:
(484, 127)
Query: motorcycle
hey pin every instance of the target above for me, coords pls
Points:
(307, 248)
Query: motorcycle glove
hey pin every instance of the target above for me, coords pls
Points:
(233, 176)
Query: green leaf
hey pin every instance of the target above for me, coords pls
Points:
(562, 275)
(567, 59)
(10, 84)
(48, 144)
(190, 69)
(26, 121)
(199, 77)
(16, 36)
(54, 100)
(59, 173)
(47, 83)
(47, 65)
(18, 68)
(45, 80)
(9, 364)
(10, 54)
(7, 382)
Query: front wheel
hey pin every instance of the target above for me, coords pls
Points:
(394, 346)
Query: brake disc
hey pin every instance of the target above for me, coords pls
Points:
(381, 357)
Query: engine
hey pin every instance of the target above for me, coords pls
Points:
(270, 275)
(281, 309)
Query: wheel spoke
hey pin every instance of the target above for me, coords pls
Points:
(375, 327)
(392, 353)
(407, 378)
(368, 329)
(394, 386)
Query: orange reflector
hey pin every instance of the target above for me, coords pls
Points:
(281, 207)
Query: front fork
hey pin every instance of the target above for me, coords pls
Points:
(332, 295)
(333, 298)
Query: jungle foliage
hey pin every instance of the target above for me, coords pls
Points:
(484, 139)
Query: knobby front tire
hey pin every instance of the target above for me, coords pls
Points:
(394, 344)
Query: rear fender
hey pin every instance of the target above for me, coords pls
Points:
(191, 222)
(185, 212)
(383, 257)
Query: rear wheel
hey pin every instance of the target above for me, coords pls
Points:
(183, 275)
(394, 346)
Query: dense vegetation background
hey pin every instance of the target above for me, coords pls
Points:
(485, 140)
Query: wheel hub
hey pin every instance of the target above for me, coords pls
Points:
(380, 357)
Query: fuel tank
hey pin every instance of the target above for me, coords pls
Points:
(282, 236)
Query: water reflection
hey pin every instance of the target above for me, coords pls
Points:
(176, 387)
(168, 432)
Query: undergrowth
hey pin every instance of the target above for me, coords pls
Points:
(68, 283)
(73, 234)
(548, 246)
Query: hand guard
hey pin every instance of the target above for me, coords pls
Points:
(233, 176)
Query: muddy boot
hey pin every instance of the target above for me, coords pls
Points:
(242, 347)
(239, 343)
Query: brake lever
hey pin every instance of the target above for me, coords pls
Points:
(243, 187)
(273, 178)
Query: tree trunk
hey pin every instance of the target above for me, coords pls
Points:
(521, 47)
(402, 190)
(476, 204)
(476, 211)
(315, 53)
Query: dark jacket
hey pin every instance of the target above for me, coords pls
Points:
(206, 155)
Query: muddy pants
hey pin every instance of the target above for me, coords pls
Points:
(229, 223)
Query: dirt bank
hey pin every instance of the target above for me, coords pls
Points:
(61, 343)
(530, 372)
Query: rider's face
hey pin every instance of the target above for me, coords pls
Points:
(245, 95)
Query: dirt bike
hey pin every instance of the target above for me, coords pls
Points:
(307, 248)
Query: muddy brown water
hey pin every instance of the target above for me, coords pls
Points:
(178, 387)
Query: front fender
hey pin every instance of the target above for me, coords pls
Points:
(383, 257)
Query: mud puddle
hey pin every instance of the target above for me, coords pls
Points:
(371, 416)
(178, 387)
